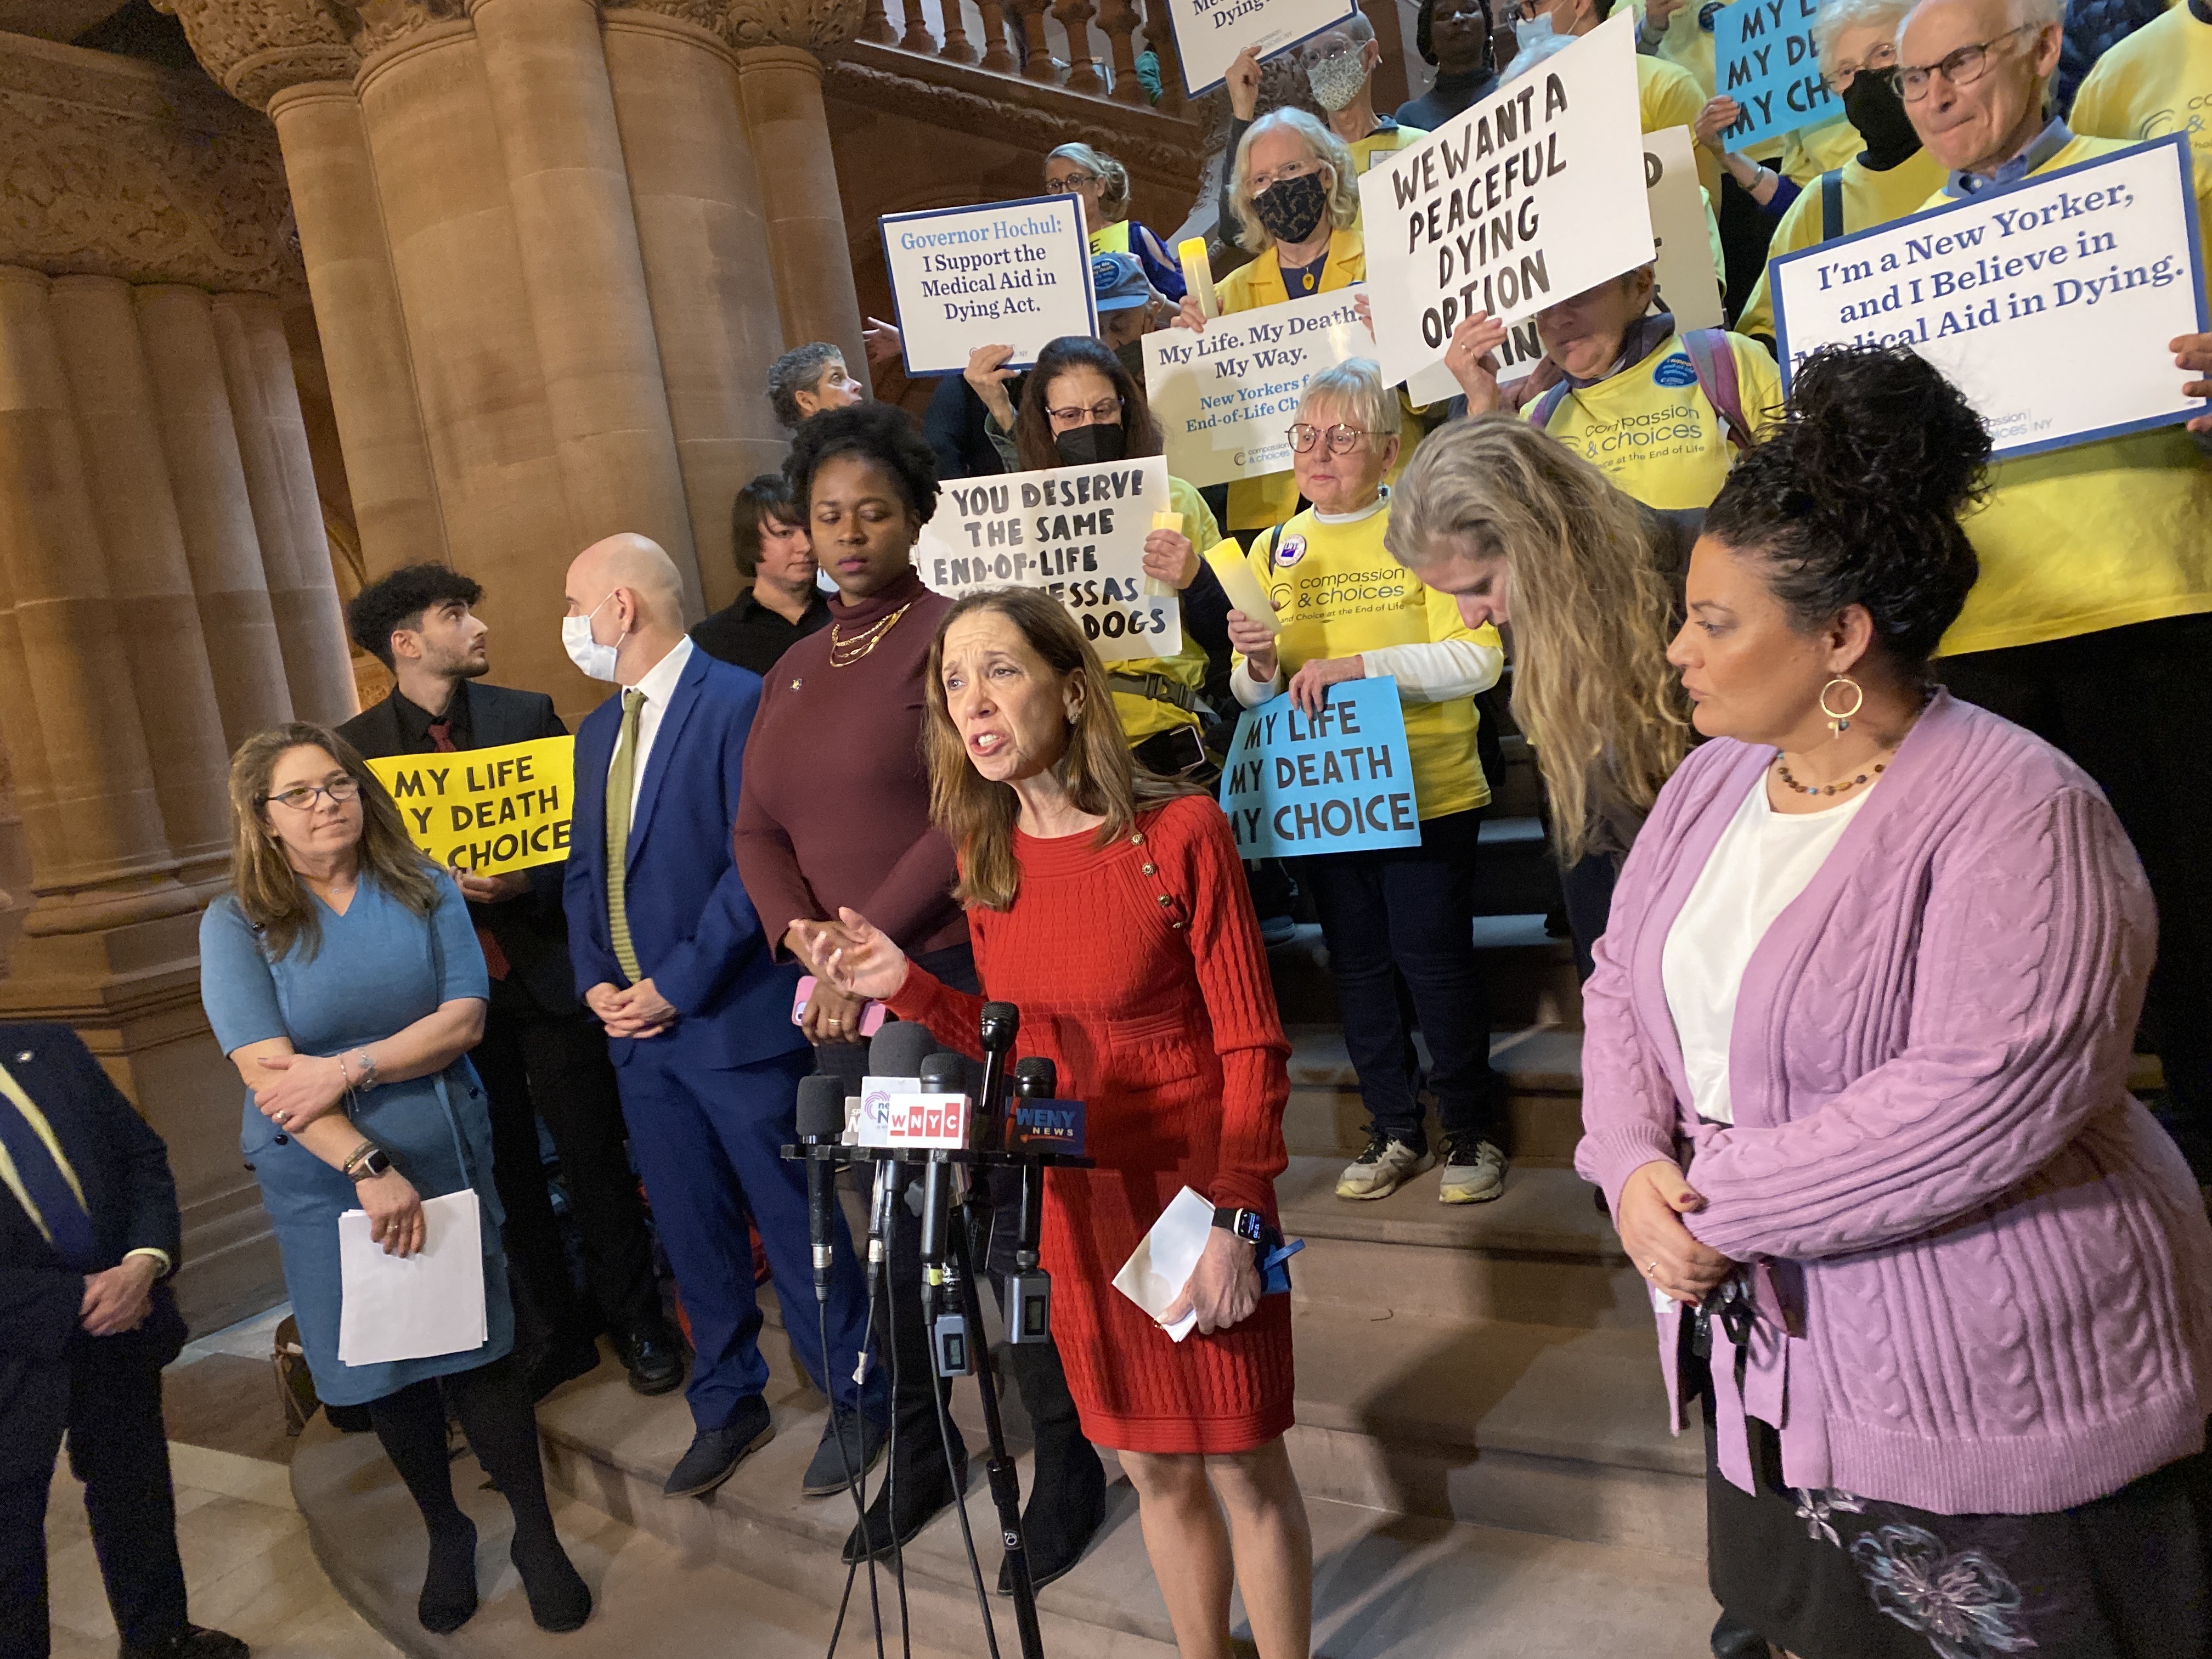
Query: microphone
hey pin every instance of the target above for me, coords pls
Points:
(943, 1075)
(1029, 1287)
(821, 1123)
(1001, 1024)
(894, 1057)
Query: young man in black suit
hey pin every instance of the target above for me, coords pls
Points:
(89, 1237)
(541, 1054)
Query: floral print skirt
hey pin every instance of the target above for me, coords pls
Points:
(1825, 1574)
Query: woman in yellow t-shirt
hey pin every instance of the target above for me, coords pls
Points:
(1348, 611)
(1081, 407)
(1631, 396)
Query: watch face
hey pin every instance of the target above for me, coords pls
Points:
(1247, 1225)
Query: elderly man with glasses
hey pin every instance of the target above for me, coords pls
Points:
(2092, 622)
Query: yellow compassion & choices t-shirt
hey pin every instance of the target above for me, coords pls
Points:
(1652, 431)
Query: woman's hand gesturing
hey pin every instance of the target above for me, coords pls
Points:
(858, 957)
(1224, 1288)
(1653, 1202)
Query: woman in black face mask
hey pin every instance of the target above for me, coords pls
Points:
(1890, 177)
(1081, 407)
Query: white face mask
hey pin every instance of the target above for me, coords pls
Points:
(588, 654)
(1337, 81)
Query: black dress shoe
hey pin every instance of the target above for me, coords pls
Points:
(716, 1453)
(1066, 1507)
(190, 1643)
(923, 1491)
(653, 1360)
(562, 1362)
(836, 1467)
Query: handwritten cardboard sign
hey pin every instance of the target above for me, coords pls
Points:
(1338, 781)
(1077, 533)
(1007, 273)
(2049, 303)
(487, 810)
(1526, 198)
(1764, 57)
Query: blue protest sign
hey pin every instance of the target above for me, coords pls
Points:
(1339, 781)
(1764, 58)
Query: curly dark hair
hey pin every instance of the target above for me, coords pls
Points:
(798, 370)
(768, 496)
(880, 433)
(1854, 497)
(399, 599)
(1141, 433)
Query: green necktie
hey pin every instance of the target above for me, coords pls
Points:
(620, 777)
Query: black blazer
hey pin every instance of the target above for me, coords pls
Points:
(531, 930)
(123, 1167)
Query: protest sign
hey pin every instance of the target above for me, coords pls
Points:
(2049, 303)
(1210, 33)
(1688, 285)
(1764, 57)
(1526, 198)
(1338, 781)
(487, 810)
(1225, 397)
(1077, 532)
(1007, 273)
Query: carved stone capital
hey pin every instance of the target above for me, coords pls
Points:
(816, 25)
(256, 48)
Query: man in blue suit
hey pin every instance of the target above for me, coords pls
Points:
(669, 955)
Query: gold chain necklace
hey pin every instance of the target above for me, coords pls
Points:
(864, 642)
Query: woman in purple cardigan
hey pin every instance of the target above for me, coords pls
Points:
(1855, 1088)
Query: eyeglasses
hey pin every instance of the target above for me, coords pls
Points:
(1961, 67)
(301, 796)
(1342, 440)
(1072, 182)
(1101, 414)
(1315, 57)
(1261, 182)
(1882, 60)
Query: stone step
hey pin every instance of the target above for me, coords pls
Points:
(1528, 975)
(1541, 1253)
(1542, 1067)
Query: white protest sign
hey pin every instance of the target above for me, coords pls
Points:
(1688, 285)
(1225, 397)
(1077, 532)
(1524, 199)
(1007, 273)
(1210, 33)
(2049, 303)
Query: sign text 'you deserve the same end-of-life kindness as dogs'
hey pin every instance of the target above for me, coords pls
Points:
(1339, 780)
(2049, 303)
(1076, 533)
(1527, 198)
(1007, 273)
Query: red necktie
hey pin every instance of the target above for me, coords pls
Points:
(441, 739)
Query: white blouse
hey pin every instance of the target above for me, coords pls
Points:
(1763, 860)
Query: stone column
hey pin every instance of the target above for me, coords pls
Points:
(334, 201)
(442, 187)
(567, 180)
(287, 514)
(207, 480)
(149, 580)
(700, 228)
(100, 851)
(807, 247)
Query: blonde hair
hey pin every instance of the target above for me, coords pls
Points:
(1326, 148)
(268, 891)
(976, 815)
(1113, 177)
(1355, 386)
(1592, 688)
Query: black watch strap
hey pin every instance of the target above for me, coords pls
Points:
(1247, 1224)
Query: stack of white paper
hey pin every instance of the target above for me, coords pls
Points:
(1165, 1259)
(414, 1307)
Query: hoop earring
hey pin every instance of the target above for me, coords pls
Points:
(1839, 719)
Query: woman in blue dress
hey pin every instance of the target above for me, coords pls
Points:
(344, 981)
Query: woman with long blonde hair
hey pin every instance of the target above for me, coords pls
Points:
(1109, 906)
(1526, 534)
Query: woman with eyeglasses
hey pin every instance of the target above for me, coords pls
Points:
(1349, 611)
(1102, 184)
(1890, 177)
(344, 979)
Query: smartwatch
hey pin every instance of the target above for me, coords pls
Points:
(1247, 1224)
(369, 1165)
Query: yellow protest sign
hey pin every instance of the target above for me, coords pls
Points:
(488, 811)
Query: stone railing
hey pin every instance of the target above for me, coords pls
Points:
(1024, 45)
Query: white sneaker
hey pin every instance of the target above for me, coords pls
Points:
(1384, 1167)
(1474, 1173)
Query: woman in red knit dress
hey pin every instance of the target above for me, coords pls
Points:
(1111, 908)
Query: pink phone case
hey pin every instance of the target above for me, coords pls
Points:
(872, 1013)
